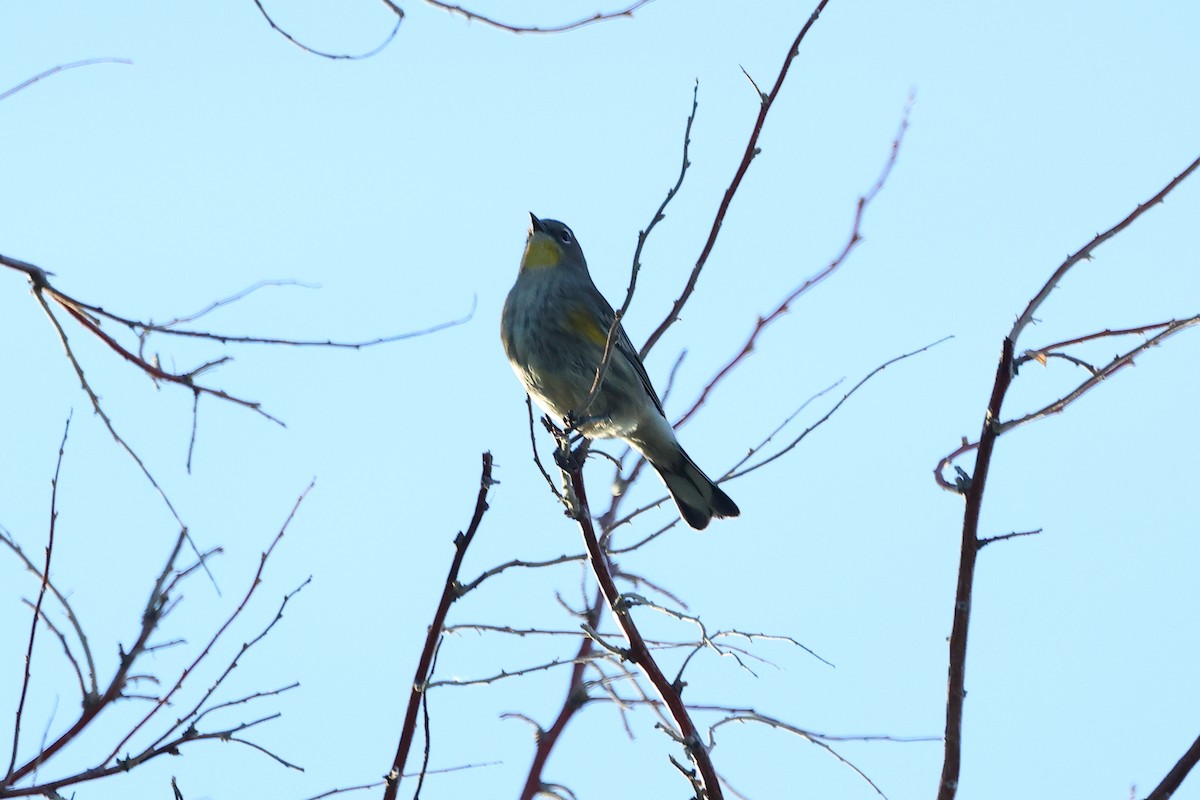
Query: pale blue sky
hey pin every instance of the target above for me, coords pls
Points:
(401, 184)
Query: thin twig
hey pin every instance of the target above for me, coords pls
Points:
(810, 737)
(1085, 253)
(1004, 537)
(1106, 333)
(1098, 376)
(450, 593)
(37, 607)
(533, 445)
(659, 214)
(599, 16)
(577, 697)
(62, 337)
(751, 151)
(151, 616)
(92, 689)
(60, 68)
(204, 653)
(337, 56)
(852, 242)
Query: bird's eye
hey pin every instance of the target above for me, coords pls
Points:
(565, 236)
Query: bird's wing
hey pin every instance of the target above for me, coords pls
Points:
(594, 323)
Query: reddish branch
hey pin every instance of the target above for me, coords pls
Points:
(973, 486)
(451, 592)
(577, 697)
(165, 700)
(157, 606)
(1085, 253)
(91, 317)
(154, 371)
(707, 784)
(1099, 375)
(1178, 772)
(752, 150)
(1104, 334)
(855, 237)
(150, 618)
(956, 691)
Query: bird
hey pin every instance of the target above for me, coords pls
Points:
(554, 327)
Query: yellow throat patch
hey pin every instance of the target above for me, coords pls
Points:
(540, 252)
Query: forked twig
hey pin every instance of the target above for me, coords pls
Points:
(972, 486)
(705, 780)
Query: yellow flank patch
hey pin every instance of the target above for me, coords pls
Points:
(541, 252)
(583, 322)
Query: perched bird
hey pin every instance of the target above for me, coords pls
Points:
(554, 327)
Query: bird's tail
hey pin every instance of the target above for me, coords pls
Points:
(698, 498)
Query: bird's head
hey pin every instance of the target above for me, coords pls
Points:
(551, 244)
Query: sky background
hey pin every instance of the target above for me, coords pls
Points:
(401, 185)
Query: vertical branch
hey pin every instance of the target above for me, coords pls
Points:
(972, 488)
(956, 682)
(576, 698)
(37, 608)
(450, 593)
(708, 786)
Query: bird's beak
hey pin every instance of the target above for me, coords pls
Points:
(537, 223)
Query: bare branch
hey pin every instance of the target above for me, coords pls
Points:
(516, 562)
(1174, 778)
(62, 338)
(577, 697)
(807, 735)
(37, 607)
(207, 650)
(338, 56)
(7, 93)
(751, 151)
(855, 237)
(1099, 375)
(450, 593)
(92, 687)
(599, 16)
(659, 214)
(706, 781)
(972, 486)
(1085, 253)
(93, 706)
(1004, 537)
